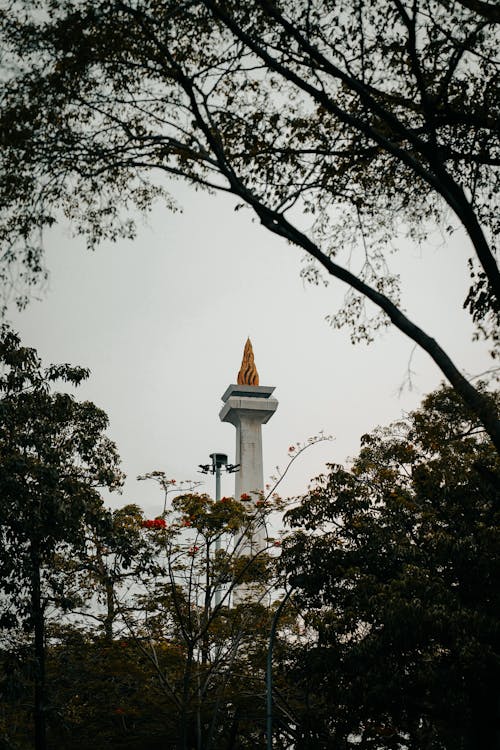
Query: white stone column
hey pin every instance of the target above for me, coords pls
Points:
(248, 407)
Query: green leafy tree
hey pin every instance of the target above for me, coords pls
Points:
(103, 695)
(378, 119)
(108, 694)
(54, 457)
(116, 558)
(200, 546)
(396, 563)
(150, 653)
(212, 601)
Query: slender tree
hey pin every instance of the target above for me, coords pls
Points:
(199, 549)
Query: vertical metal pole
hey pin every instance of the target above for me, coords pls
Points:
(217, 483)
(218, 540)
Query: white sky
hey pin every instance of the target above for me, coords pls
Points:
(162, 321)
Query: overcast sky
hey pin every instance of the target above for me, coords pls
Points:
(161, 321)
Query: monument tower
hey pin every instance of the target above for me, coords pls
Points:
(248, 405)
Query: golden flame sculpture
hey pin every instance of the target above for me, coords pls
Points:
(248, 374)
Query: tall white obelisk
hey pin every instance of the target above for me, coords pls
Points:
(248, 406)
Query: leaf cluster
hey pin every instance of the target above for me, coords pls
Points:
(54, 457)
(374, 118)
(398, 581)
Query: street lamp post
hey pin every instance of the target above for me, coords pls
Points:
(219, 463)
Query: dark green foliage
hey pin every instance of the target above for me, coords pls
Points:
(151, 660)
(379, 120)
(53, 458)
(98, 695)
(397, 568)
(394, 563)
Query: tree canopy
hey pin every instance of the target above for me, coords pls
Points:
(54, 457)
(375, 120)
(388, 636)
(395, 562)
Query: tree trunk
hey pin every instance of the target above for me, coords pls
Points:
(110, 610)
(38, 620)
(184, 728)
